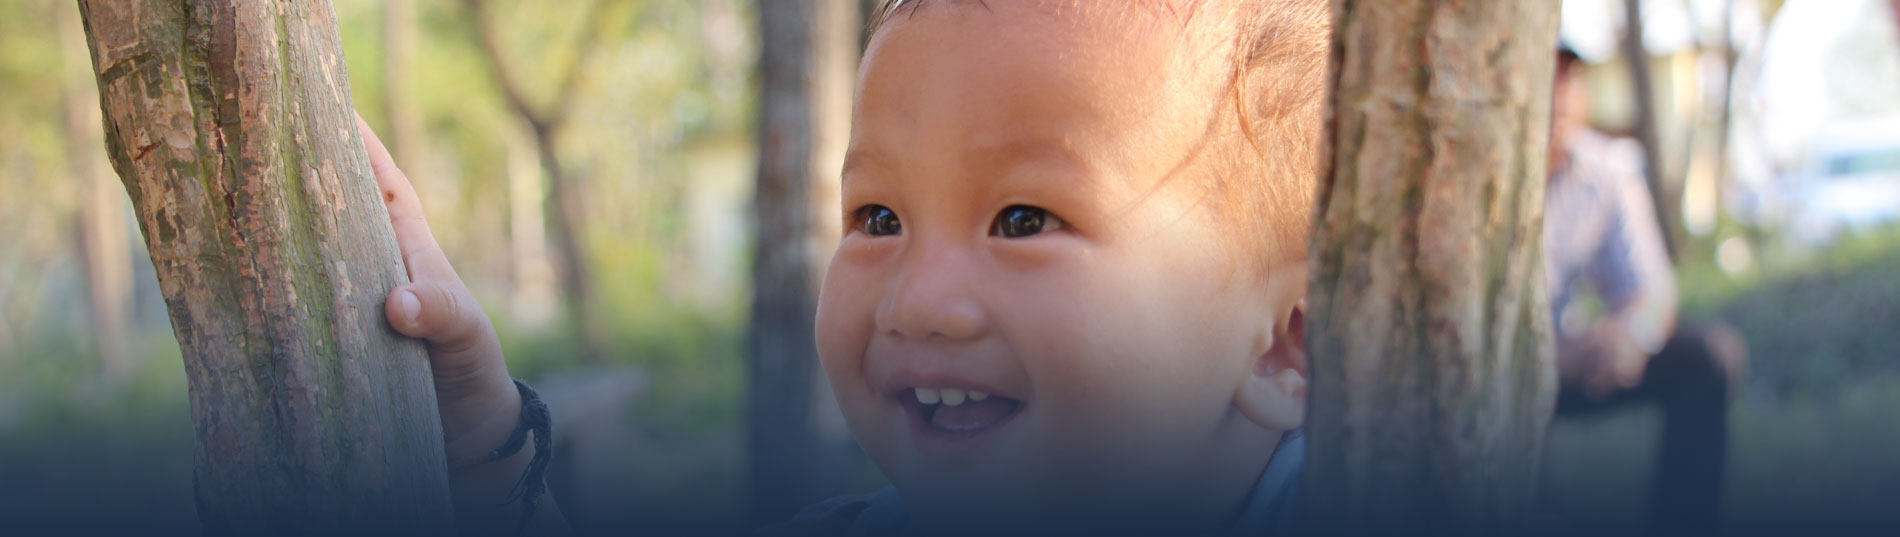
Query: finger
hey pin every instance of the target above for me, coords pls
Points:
(462, 343)
(420, 252)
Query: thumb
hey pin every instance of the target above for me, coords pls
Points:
(464, 354)
(450, 320)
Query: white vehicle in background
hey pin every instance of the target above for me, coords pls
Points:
(1849, 181)
(1816, 145)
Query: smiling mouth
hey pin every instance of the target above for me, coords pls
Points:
(954, 414)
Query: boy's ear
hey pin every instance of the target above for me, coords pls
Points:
(1273, 395)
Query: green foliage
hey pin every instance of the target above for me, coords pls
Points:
(1814, 320)
(1813, 435)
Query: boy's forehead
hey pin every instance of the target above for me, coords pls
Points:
(1001, 71)
(1194, 27)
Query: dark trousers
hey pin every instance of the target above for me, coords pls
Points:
(1692, 378)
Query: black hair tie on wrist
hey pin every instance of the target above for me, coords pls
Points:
(534, 417)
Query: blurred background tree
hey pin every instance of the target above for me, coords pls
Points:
(659, 145)
(795, 437)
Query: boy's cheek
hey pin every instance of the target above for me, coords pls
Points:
(847, 313)
(844, 324)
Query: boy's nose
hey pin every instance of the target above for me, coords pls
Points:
(933, 298)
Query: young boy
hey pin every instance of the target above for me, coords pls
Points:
(1068, 295)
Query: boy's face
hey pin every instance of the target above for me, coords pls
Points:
(1027, 217)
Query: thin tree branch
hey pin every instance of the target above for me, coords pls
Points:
(551, 117)
(583, 51)
(498, 69)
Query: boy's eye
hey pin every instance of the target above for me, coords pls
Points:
(879, 220)
(1022, 221)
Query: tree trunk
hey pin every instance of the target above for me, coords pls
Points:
(563, 207)
(576, 275)
(1429, 328)
(230, 124)
(534, 295)
(1726, 121)
(807, 60)
(108, 251)
(405, 116)
(1660, 192)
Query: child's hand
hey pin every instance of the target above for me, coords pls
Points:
(476, 397)
(473, 392)
(1603, 361)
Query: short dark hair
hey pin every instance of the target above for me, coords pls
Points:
(1566, 57)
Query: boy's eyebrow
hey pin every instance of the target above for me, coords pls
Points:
(858, 156)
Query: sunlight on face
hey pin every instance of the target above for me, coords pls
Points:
(1033, 310)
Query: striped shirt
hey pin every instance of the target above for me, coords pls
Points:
(1601, 234)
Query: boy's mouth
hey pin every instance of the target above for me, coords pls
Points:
(946, 415)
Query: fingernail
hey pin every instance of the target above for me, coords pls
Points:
(411, 307)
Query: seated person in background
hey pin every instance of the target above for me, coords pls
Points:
(1600, 228)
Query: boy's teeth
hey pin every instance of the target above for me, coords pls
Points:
(948, 396)
(928, 396)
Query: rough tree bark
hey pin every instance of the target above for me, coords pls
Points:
(807, 59)
(230, 124)
(1428, 328)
